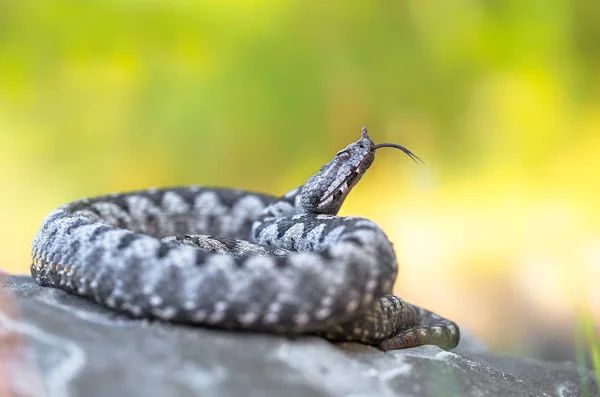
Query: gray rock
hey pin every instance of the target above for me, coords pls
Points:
(78, 348)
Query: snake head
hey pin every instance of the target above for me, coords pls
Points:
(325, 192)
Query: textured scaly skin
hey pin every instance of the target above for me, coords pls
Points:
(279, 265)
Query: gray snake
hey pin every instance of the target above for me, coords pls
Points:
(233, 259)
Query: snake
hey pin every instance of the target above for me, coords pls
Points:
(238, 260)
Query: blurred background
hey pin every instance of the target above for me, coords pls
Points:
(499, 230)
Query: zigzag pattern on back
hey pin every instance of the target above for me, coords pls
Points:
(229, 258)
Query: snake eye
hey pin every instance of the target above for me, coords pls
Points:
(343, 154)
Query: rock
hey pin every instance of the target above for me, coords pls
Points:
(78, 348)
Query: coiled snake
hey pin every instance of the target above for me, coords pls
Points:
(285, 265)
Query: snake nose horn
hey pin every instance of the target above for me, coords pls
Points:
(364, 133)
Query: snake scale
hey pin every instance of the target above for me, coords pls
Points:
(284, 265)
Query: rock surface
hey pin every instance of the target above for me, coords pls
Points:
(73, 347)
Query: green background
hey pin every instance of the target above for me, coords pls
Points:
(500, 230)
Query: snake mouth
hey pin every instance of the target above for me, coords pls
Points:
(343, 188)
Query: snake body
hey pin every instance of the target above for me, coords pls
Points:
(229, 258)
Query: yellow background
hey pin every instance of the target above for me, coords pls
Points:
(500, 230)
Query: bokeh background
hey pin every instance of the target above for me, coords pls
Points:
(500, 230)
